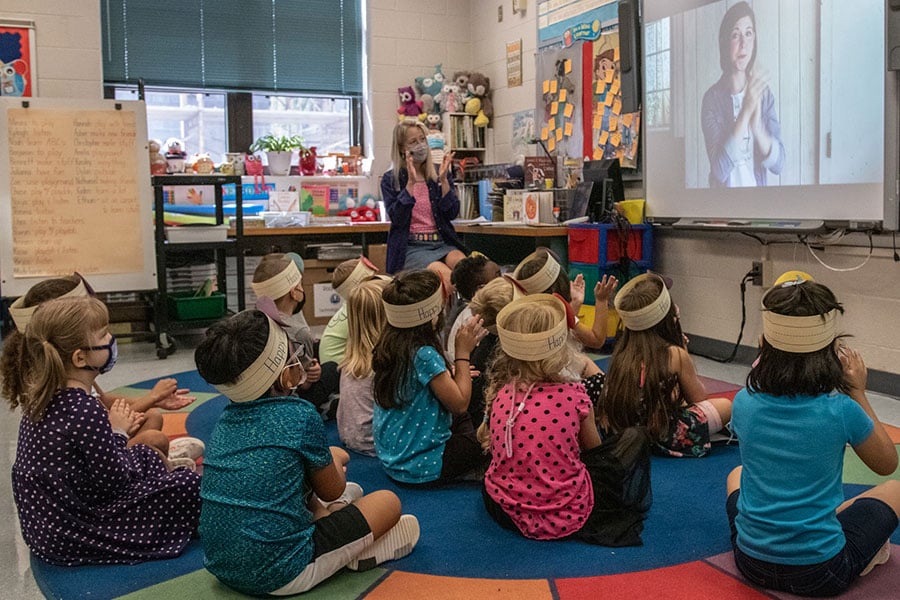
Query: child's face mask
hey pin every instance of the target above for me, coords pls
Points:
(419, 152)
(294, 366)
(113, 349)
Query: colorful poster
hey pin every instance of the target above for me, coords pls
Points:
(17, 59)
(522, 132)
(559, 92)
(612, 133)
(514, 64)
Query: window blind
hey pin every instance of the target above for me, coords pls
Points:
(311, 46)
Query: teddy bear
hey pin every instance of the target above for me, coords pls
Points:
(158, 164)
(409, 107)
(428, 88)
(480, 104)
(202, 164)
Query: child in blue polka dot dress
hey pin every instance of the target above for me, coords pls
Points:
(14, 365)
(423, 434)
(82, 496)
(550, 476)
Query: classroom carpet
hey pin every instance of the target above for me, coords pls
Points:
(463, 554)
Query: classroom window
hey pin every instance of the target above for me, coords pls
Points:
(196, 118)
(322, 122)
(657, 69)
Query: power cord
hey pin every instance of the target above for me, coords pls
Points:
(748, 277)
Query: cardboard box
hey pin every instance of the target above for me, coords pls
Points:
(377, 255)
(316, 273)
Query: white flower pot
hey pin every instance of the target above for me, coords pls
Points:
(279, 162)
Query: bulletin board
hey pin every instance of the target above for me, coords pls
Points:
(75, 194)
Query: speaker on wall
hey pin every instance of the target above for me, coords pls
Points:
(630, 54)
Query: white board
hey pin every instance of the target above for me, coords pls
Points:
(75, 194)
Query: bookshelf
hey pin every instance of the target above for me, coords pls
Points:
(462, 136)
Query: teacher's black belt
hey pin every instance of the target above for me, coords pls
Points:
(425, 237)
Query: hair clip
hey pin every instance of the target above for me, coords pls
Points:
(793, 282)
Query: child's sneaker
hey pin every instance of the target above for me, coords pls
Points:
(352, 492)
(881, 557)
(396, 543)
(186, 447)
(183, 462)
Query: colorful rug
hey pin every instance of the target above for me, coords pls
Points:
(463, 554)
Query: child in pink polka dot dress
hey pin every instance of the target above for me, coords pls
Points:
(82, 496)
(550, 477)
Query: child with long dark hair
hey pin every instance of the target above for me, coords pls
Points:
(805, 400)
(651, 380)
(422, 431)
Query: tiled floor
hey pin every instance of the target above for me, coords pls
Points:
(138, 362)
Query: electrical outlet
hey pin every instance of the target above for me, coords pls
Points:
(757, 273)
(500, 14)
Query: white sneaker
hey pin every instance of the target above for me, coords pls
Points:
(183, 462)
(186, 447)
(352, 492)
(396, 543)
(881, 557)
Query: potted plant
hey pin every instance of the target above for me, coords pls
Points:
(278, 149)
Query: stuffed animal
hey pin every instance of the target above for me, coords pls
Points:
(433, 122)
(175, 155)
(480, 104)
(158, 164)
(429, 87)
(408, 105)
(203, 164)
(450, 101)
(461, 79)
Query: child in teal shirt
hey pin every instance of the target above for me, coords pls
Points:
(273, 519)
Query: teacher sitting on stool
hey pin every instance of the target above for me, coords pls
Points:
(421, 204)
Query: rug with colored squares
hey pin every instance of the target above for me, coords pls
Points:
(462, 553)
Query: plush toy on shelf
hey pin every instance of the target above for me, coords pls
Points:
(409, 107)
(175, 155)
(428, 88)
(158, 164)
(433, 122)
(461, 79)
(202, 164)
(450, 100)
(480, 104)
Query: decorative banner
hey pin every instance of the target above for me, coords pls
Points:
(574, 20)
(17, 59)
(514, 63)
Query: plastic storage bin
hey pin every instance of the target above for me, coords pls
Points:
(185, 306)
(600, 243)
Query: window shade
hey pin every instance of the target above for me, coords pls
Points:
(312, 46)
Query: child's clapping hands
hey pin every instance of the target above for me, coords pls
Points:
(122, 418)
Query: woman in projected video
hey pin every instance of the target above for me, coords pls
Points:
(740, 125)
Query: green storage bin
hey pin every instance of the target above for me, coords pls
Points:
(185, 306)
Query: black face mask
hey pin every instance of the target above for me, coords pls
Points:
(300, 305)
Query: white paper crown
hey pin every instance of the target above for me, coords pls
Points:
(405, 316)
(21, 315)
(544, 278)
(263, 372)
(533, 346)
(362, 271)
(278, 285)
(648, 316)
(800, 335)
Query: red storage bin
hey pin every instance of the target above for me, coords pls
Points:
(634, 247)
(584, 244)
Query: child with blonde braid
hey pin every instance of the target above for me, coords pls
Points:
(550, 477)
(82, 496)
(805, 401)
(651, 380)
(423, 434)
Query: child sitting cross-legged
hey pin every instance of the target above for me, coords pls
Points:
(271, 522)
(550, 477)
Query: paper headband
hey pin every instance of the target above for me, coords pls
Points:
(533, 346)
(543, 279)
(800, 335)
(362, 271)
(21, 315)
(643, 318)
(278, 285)
(405, 316)
(263, 372)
